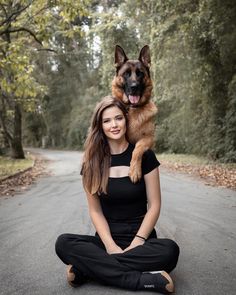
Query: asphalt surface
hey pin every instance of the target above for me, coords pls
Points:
(201, 219)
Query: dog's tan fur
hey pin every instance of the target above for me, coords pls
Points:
(141, 128)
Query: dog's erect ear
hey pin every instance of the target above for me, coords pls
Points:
(120, 56)
(144, 56)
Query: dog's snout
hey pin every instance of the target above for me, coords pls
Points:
(134, 86)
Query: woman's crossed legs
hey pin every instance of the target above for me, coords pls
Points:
(129, 270)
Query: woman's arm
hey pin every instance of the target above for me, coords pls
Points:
(101, 225)
(152, 182)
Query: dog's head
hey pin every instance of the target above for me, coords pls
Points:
(132, 83)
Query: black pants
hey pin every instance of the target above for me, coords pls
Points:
(90, 260)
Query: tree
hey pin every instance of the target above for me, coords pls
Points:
(193, 61)
(27, 27)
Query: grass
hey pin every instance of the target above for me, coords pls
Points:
(183, 159)
(10, 166)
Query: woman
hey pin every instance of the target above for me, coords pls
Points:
(125, 251)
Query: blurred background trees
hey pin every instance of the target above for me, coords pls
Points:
(56, 69)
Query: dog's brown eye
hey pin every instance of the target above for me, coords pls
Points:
(139, 73)
(127, 73)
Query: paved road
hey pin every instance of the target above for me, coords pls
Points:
(200, 218)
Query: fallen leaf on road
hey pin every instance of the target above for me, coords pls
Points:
(20, 182)
(214, 174)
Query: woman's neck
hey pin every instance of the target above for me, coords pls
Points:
(117, 147)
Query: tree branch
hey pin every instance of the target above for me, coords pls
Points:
(16, 13)
(47, 49)
(3, 8)
(38, 12)
(22, 30)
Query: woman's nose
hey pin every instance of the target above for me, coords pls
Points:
(114, 123)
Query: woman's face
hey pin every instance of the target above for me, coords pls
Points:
(113, 123)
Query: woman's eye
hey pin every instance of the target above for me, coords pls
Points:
(105, 121)
(119, 118)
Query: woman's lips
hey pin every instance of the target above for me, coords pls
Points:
(115, 131)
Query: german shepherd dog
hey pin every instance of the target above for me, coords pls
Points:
(132, 84)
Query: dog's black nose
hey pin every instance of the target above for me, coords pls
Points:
(133, 86)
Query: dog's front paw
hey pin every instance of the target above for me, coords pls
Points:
(135, 171)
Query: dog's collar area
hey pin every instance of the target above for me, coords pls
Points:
(136, 106)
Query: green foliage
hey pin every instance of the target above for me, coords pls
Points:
(193, 67)
(27, 27)
(10, 166)
(113, 26)
(78, 127)
(230, 124)
(34, 128)
(17, 81)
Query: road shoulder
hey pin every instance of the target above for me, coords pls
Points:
(20, 181)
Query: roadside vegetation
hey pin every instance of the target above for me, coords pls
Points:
(9, 166)
(17, 175)
(183, 159)
(57, 62)
(212, 172)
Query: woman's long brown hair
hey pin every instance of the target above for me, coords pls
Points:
(96, 160)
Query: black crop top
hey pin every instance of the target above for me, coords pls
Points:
(125, 200)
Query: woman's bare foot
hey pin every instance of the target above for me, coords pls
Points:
(70, 276)
(170, 286)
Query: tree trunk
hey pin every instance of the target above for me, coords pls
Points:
(5, 133)
(16, 143)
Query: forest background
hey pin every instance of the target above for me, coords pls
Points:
(57, 62)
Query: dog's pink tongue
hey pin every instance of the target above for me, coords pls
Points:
(134, 98)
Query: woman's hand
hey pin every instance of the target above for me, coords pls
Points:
(136, 242)
(114, 249)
